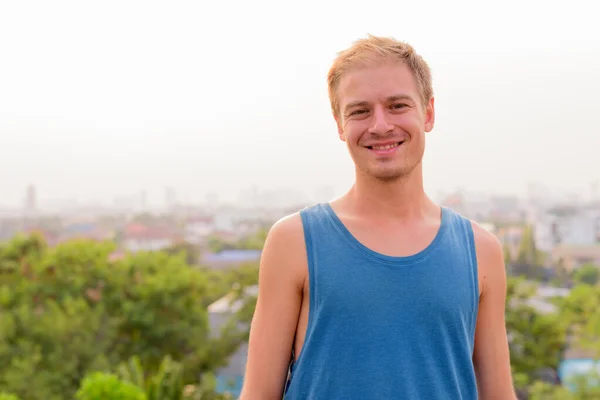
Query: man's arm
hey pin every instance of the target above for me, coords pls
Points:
(491, 356)
(283, 269)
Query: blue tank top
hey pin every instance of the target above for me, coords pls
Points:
(382, 327)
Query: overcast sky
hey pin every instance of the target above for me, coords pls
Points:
(103, 99)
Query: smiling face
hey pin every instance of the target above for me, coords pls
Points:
(383, 120)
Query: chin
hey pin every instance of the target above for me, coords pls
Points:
(388, 175)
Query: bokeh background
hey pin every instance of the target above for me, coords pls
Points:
(147, 147)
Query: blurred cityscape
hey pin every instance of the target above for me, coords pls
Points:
(550, 241)
(565, 227)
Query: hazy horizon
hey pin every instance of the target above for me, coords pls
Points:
(104, 100)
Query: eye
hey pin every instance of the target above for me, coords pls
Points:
(398, 106)
(359, 112)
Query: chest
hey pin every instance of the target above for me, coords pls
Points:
(393, 239)
(445, 292)
(439, 287)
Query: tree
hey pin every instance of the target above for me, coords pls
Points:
(528, 252)
(507, 254)
(536, 340)
(102, 386)
(254, 241)
(580, 311)
(191, 252)
(69, 311)
(588, 274)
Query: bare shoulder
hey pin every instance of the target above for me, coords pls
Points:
(490, 257)
(285, 248)
(485, 241)
(289, 226)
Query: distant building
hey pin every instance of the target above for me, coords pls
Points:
(31, 206)
(197, 229)
(572, 257)
(89, 231)
(577, 363)
(231, 377)
(225, 219)
(568, 226)
(542, 300)
(138, 237)
(230, 258)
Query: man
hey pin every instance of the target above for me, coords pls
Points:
(380, 294)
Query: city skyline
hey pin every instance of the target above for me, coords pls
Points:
(254, 196)
(147, 104)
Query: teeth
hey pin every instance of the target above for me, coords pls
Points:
(386, 147)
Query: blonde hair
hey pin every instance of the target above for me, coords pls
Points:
(377, 50)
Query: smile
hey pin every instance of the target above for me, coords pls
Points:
(385, 146)
(385, 149)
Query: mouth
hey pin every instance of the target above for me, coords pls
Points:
(385, 148)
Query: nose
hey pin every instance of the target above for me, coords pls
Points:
(380, 124)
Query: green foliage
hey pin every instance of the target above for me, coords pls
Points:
(508, 259)
(528, 252)
(190, 252)
(580, 310)
(254, 241)
(536, 340)
(587, 274)
(68, 311)
(584, 387)
(166, 384)
(8, 396)
(545, 391)
(102, 386)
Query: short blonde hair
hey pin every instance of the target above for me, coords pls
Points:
(376, 50)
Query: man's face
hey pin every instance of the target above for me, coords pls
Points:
(382, 120)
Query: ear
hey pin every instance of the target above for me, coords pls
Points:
(340, 129)
(430, 115)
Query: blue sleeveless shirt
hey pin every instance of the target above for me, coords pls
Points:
(382, 327)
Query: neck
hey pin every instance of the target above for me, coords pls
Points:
(403, 198)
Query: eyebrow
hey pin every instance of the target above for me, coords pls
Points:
(361, 103)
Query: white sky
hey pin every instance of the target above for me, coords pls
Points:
(103, 99)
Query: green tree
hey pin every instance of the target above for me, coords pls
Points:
(528, 252)
(68, 311)
(8, 396)
(102, 386)
(507, 254)
(588, 274)
(536, 340)
(580, 311)
(190, 252)
(583, 387)
(254, 241)
(562, 274)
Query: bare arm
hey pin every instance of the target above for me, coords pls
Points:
(491, 356)
(281, 278)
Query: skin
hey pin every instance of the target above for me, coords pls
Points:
(388, 211)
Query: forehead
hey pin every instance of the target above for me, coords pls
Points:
(373, 83)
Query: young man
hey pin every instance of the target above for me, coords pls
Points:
(380, 294)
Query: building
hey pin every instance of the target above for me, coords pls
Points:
(230, 258)
(197, 229)
(572, 257)
(138, 237)
(577, 363)
(568, 226)
(231, 377)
